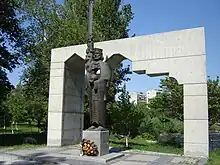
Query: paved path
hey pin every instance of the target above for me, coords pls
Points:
(64, 156)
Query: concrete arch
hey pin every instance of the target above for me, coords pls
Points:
(115, 59)
(181, 54)
(66, 101)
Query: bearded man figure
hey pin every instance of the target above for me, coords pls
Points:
(98, 77)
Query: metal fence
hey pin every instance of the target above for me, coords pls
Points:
(214, 141)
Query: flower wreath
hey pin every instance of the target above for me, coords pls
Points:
(88, 148)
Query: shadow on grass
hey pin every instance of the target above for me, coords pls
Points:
(18, 139)
(115, 150)
(147, 147)
(142, 144)
(130, 143)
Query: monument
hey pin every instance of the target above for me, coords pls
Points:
(98, 77)
(97, 81)
(180, 54)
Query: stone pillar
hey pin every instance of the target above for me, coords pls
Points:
(73, 105)
(55, 107)
(196, 142)
(66, 98)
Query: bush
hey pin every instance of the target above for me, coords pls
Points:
(176, 126)
(215, 127)
(171, 139)
(147, 136)
(29, 140)
(155, 126)
(18, 139)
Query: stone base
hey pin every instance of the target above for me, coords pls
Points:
(93, 160)
(100, 138)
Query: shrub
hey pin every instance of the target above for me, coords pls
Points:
(29, 140)
(171, 139)
(215, 127)
(146, 136)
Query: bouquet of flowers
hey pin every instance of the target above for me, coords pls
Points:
(89, 148)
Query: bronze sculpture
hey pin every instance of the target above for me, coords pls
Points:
(98, 77)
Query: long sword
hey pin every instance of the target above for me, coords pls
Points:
(90, 44)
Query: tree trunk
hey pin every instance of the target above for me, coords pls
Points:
(16, 126)
(126, 141)
(12, 131)
(4, 123)
(39, 125)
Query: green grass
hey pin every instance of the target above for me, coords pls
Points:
(7, 139)
(134, 144)
(22, 128)
(143, 144)
(214, 157)
(23, 146)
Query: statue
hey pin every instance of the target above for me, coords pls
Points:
(98, 77)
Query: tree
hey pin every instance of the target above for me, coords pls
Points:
(10, 36)
(35, 80)
(167, 107)
(49, 25)
(10, 40)
(5, 88)
(126, 118)
(170, 99)
(214, 100)
(17, 105)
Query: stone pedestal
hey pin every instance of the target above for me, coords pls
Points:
(100, 138)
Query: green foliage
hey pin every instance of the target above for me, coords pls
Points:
(24, 107)
(171, 139)
(142, 144)
(120, 75)
(146, 135)
(34, 83)
(125, 117)
(10, 35)
(155, 123)
(48, 25)
(214, 100)
(160, 116)
(163, 114)
(215, 127)
(166, 110)
(17, 105)
(10, 40)
(170, 100)
(214, 158)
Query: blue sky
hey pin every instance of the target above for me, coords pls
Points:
(155, 16)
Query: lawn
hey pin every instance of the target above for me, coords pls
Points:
(214, 158)
(22, 146)
(143, 144)
(134, 144)
(22, 128)
(21, 136)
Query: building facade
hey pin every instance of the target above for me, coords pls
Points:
(138, 97)
(152, 93)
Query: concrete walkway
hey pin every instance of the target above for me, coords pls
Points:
(67, 156)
